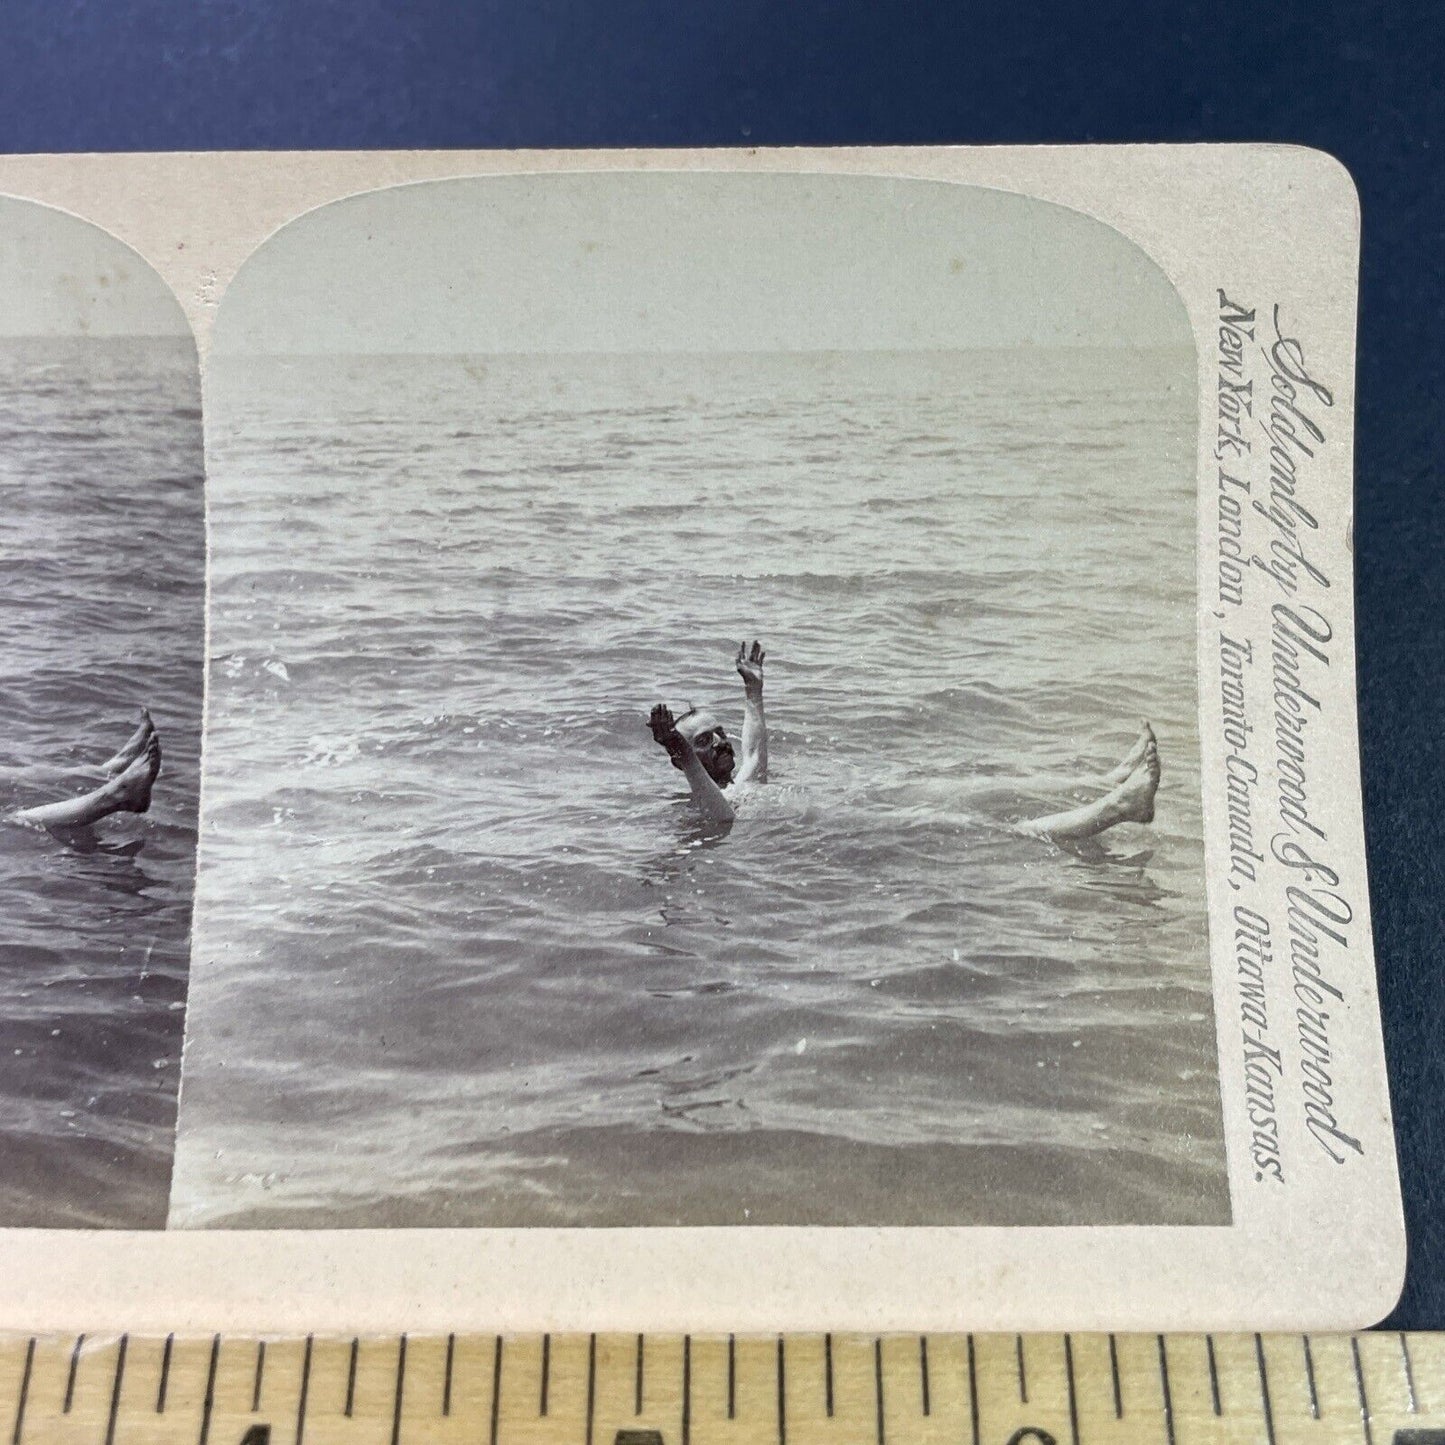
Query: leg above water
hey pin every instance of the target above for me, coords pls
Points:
(128, 792)
(1131, 801)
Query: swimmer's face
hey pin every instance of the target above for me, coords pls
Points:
(710, 743)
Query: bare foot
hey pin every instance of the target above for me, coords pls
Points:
(128, 792)
(1135, 795)
(132, 789)
(135, 745)
(1133, 757)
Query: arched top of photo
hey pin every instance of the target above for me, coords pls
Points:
(674, 261)
(61, 277)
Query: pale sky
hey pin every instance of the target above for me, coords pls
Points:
(60, 276)
(693, 262)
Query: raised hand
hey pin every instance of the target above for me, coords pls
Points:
(666, 735)
(749, 664)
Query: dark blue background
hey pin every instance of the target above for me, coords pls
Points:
(116, 75)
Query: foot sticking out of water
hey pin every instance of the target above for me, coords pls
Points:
(1130, 801)
(129, 791)
(1133, 757)
(133, 785)
(134, 746)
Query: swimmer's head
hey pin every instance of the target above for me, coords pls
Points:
(710, 743)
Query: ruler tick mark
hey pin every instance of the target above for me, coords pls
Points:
(1213, 1375)
(1073, 1391)
(209, 1403)
(115, 1391)
(496, 1389)
(165, 1374)
(1022, 1373)
(260, 1373)
(24, 1392)
(1310, 1378)
(973, 1390)
(828, 1374)
(351, 1378)
(1114, 1370)
(305, 1390)
(1409, 1373)
(70, 1378)
(447, 1376)
(1264, 1387)
(546, 1373)
(398, 1393)
(732, 1377)
(1364, 1399)
(1164, 1383)
(923, 1371)
(591, 1382)
(686, 1389)
(782, 1393)
(878, 1389)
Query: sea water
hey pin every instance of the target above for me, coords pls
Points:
(465, 954)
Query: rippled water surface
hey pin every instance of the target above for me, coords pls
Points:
(101, 609)
(464, 955)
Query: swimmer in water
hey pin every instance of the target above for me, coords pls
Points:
(698, 745)
(131, 774)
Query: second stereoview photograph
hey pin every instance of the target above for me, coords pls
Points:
(701, 717)
(102, 627)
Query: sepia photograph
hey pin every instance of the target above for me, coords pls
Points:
(702, 717)
(101, 666)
